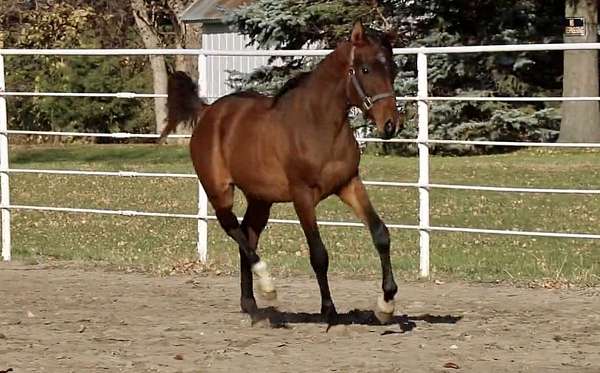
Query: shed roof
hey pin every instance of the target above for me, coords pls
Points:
(209, 10)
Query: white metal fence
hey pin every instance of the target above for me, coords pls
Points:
(423, 99)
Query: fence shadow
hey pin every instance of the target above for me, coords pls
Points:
(282, 319)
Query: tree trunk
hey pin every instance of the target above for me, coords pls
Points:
(580, 119)
(159, 68)
(192, 35)
(187, 36)
(189, 39)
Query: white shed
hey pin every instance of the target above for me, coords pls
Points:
(216, 35)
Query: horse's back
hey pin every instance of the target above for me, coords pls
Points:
(240, 109)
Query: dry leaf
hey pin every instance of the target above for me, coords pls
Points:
(451, 365)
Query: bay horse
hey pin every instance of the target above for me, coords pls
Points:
(294, 147)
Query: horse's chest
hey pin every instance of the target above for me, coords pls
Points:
(337, 173)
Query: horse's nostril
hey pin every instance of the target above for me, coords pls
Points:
(389, 127)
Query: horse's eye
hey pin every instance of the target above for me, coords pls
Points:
(365, 70)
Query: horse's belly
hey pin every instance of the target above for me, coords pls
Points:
(271, 188)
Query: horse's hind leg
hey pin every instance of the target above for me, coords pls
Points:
(253, 224)
(223, 204)
(355, 195)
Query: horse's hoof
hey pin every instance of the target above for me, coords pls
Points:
(384, 311)
(266, 288)
(248, 305)
(261, 323)
(329, 315)
(268, 295)
(383, 318)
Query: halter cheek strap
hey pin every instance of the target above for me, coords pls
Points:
(367, 101)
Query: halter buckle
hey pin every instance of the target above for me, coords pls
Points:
(367, 103)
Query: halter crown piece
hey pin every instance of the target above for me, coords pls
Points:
(367, 101)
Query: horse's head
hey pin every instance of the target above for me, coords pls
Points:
(371, 80)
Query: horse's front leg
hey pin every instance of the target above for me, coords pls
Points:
(355, 195)
(305, 200)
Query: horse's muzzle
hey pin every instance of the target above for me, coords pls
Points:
(389, 130)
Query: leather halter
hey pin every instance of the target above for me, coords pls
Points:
(367, 101)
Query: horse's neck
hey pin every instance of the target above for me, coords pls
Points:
(327, 87)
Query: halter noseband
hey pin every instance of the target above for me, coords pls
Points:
(367, 101)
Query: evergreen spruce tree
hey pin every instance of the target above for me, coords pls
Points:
(291, 24)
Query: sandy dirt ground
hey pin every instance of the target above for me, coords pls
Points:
(76, 320)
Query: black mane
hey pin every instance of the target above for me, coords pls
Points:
(291, 84)
(297, 80)
(247, 93)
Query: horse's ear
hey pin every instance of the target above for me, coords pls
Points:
(391, 36)
(358, 34)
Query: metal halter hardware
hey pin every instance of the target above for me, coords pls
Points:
(367, 101)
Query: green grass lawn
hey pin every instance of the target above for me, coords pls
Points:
(159, 244)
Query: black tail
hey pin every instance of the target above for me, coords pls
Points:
(183, 103)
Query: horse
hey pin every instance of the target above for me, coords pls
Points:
(296, 146)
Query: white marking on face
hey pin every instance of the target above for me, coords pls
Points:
(381, 58)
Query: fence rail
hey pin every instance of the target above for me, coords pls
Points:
(298, 52)
(399, 98)
(132, 174)
(423, 142)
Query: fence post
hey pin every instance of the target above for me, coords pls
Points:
(4, 184)
(202, 244)
(423, 145)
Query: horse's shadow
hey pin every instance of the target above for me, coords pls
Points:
(282, 319)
